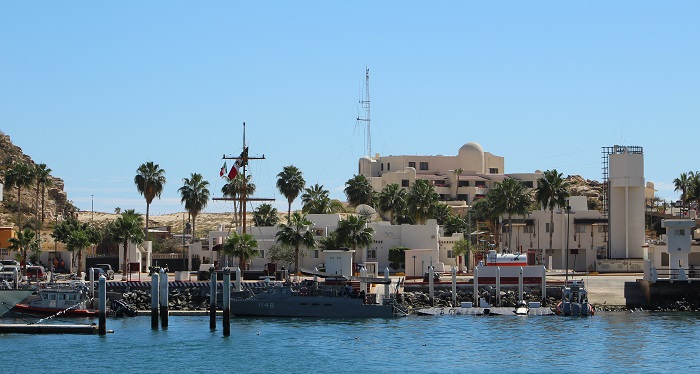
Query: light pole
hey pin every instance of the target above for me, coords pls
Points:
(414, 268)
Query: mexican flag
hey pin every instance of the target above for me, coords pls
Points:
(223, 170)
(234, 170)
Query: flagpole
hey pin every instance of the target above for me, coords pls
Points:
(245, 186)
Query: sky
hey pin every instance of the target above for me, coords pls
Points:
(95, 89)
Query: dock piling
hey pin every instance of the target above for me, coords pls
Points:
(212, 299)
(163, 299)
(102, 316)
(498, 286)
(155, 292)
(227, 302)
(431, 284)
(454, 286)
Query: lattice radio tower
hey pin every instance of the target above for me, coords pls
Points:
(366, 119)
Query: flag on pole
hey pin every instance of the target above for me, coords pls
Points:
(239, 162)
(234, 170)
(223, 170)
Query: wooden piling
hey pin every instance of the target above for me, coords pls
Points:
(227, 302)
(212, 299)
(155, 292)
(102, 291)
(163, 299)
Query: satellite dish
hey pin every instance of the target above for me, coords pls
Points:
(366, 211)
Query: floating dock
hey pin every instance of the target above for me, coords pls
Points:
(16, 328)
(492, 311)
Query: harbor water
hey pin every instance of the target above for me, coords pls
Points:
(619, 341)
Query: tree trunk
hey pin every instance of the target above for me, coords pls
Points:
(148, 209)
(126, 266)
(551, 229)
(296, 259)
(19, 209)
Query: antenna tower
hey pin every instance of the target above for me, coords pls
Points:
(365, 105)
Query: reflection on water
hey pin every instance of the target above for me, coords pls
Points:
(620, 341)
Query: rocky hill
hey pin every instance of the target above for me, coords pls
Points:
(55, 199)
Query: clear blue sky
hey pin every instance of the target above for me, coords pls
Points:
(94, 89)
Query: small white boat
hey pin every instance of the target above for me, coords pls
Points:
(66, 299)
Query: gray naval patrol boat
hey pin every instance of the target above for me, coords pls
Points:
(335, 297)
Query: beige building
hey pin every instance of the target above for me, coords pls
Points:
(468, 176)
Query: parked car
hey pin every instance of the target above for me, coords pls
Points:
(109, 273)
(36, 273)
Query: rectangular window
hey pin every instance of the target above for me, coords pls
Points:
(404, 183)
(529, 229)
(664, 259)
(412, 164)
(450, 254)
(680, 232)
(463, 196)
(580, 228)
(463, 184)
(440, 183)
(603, 228)
(424, 166)
(528, 184)
(381, 167)
(372, 254)
(262, 253)
(493, 170)
(315, 255)
(547, 227)
(481, 184)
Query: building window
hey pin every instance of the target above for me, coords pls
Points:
(664, 259)
(372, 254)
(442, 197)
(315, 254)
(680, 232)
(404, 183)
(493, 170)
(579, 228)
(548, 228)
(463, 196)
(528, 184)
(440, 183)
(603, 228)
(4, 252)
(388, 166)
(262, 253)
(529, 229)
(463, 184)
(411, 164)
(382, 167)
(424, 166)
(480, 184)
(450, 254)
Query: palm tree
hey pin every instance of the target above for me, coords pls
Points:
(195, 195)
(295, 233)
(234, 190)
(19, 175)
(454, 224)
(354, 231)
(457, 172)
(421, 200)
(315, 200)
(265, 215)
(693, 187)
(21, 243)
(485, 212)
(127, 228)
(682, 183)
(460, 248)
(244, 246)
(358, 190)
(43, 178)
(290, 182)
(149, 180)
(551, 192)
(510, 197)
(392, 199)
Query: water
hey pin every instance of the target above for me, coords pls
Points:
(620, 341)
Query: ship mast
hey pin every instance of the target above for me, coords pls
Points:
(243, 198)
(365, 105)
